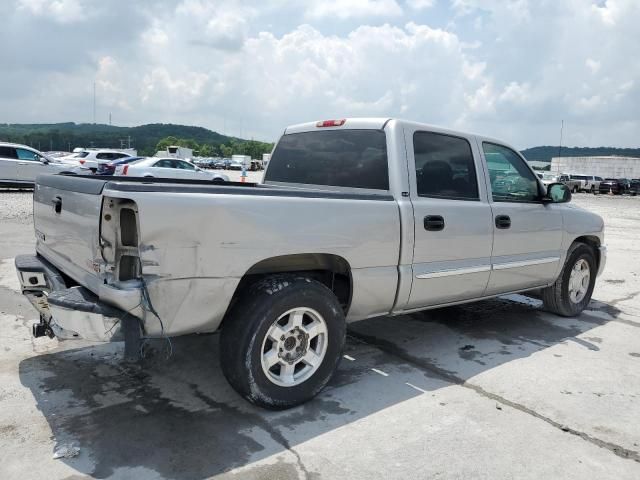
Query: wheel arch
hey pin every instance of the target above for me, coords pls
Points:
(591, 241)
(331, 270)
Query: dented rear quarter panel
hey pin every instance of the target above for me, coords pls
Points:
(195, 248)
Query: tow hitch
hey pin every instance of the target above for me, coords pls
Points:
(41, 329)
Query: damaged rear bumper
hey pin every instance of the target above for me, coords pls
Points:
(73, 312)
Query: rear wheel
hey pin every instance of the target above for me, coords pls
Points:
(571, 292)
(282, 341)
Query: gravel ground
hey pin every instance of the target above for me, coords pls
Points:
(16, 205)
(494, 390)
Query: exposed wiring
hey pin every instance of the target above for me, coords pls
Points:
(147, 305)
(122, 317)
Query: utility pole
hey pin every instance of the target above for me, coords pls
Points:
(560, 146)
(94, 102)
(109, 118)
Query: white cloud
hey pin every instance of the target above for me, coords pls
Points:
(344, 9)
(63, 11)
(420, 4)
(592, 65)
(219, 24)
(508, 68)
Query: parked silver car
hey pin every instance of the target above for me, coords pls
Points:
(20, 165)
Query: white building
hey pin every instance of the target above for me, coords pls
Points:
(612, 167)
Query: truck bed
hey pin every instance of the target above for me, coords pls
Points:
(193, 241)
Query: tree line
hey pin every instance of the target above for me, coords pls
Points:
(234, 146)
(144, 138)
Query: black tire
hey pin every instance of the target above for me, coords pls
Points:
(246, 327)
(556, 297)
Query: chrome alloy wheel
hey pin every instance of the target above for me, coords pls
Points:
(579, 281)
(294, 347)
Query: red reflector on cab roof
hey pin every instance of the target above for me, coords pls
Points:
(331, 123)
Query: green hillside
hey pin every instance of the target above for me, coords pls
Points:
(145, 138)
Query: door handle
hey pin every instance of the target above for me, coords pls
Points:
(433, 223)
(57, 204)
(503, 221)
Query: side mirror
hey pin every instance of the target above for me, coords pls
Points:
(557, 193)
(42, 159)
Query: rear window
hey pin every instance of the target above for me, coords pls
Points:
(337, 158)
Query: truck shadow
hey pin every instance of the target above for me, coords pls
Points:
(179, 418)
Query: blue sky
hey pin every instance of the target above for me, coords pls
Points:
(512, 69)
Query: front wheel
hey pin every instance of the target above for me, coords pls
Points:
(282, 341)
(571, 292)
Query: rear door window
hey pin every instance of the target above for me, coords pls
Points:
(8, 152)
(444, 167)
(337, 158)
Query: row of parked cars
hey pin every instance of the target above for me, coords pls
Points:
(593, 183)
(21, 164)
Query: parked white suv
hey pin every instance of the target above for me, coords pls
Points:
(589, 183)
(90, 159)
(20, 164)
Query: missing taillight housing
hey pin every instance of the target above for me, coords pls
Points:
(119, 239)
(331, 123)
(128, 268)
(128, 228)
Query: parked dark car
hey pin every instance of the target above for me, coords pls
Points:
(626, 183)
(617, 186)
(220, 164)
(110, 168)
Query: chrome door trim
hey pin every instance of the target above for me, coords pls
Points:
(487, 268)
(455, 271)
(525, 263)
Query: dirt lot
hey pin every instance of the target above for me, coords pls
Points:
(493, 390)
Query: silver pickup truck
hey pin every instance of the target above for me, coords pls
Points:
(355, 218)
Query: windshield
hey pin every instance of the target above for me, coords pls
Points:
(338, 158)
(80, 155)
